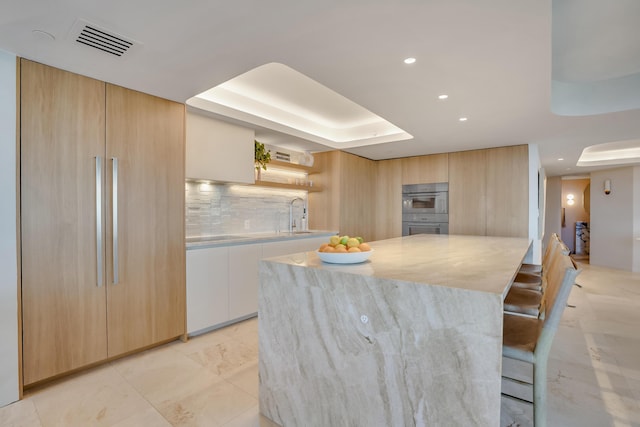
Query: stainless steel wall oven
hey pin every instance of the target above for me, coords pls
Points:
(425, 209)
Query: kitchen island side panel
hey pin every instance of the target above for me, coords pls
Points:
(340, 347)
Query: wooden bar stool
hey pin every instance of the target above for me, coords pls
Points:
(529, 339)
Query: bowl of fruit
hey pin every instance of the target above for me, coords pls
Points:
(344, 250)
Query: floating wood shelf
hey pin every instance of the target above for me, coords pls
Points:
(291, 166)
(272, 184)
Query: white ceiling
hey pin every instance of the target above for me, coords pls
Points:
(494, 59)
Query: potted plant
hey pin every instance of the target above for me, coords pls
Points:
(262, 157)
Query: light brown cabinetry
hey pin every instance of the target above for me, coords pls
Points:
(467, 192)
(146, 135)
(388, 198)
(425, 169)
(349, 188)
(62, 126)
(508, 191)
(76, 240)
(488, 192)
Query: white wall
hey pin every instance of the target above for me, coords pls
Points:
(535, 220)
(8, 257)
(635, 261)
(612, 219)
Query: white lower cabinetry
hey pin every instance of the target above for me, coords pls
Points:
(222, 282)
(243, 280)
(207, 288)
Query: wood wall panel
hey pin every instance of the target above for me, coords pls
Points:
(388, 199)
(323, 206)
(357, 196)
(348, 196)
(467, 192)
(425, 169)
(508, 191)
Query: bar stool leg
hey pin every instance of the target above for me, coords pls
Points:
(540, 392)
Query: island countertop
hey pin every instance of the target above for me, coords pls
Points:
(476, 263)
(413, 336)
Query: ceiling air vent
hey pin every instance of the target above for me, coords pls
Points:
(107, 41)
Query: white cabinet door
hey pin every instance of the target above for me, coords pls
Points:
(243, 280)
(219, 151)
(207, 288)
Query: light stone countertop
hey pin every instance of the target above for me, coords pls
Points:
(477, 263)
(202, 242)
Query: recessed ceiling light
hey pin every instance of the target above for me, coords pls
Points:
(560, 159)
(43, 35)
(463, 119)
(443, 96)
(410, 60)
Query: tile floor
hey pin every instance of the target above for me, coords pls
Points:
(212, 380)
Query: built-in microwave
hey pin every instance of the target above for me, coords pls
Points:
(425, 198)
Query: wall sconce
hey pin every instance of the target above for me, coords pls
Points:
(570, 199)
(607, 186)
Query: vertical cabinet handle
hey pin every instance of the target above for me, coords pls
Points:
(99, 255)
(114, 205)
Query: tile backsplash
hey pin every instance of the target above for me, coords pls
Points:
(215, 209)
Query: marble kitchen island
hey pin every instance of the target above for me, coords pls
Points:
(413, 336)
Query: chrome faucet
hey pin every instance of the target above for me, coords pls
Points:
(292, 224)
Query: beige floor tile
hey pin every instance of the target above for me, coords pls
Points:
(615, 308)
(100, 397)
(246, 379)
(625, 349)
(149, 418)
(20, 414)
(251, 418)
(609, 327)
(248, 338)
(199, 342)
(163, 375)
(249, 325)
(210, 407)
(226, 358)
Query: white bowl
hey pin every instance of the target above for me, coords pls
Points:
(344, 258)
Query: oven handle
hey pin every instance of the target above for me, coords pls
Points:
(422, 194)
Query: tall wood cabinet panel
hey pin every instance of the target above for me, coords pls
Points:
(388, 198)
(62, 129)
(348, 195)
(323, 211)
(425, 169)
(146, 135)
(357, 196)
(468, 192)
(507, 191)
(67, 122)
(489, 192)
